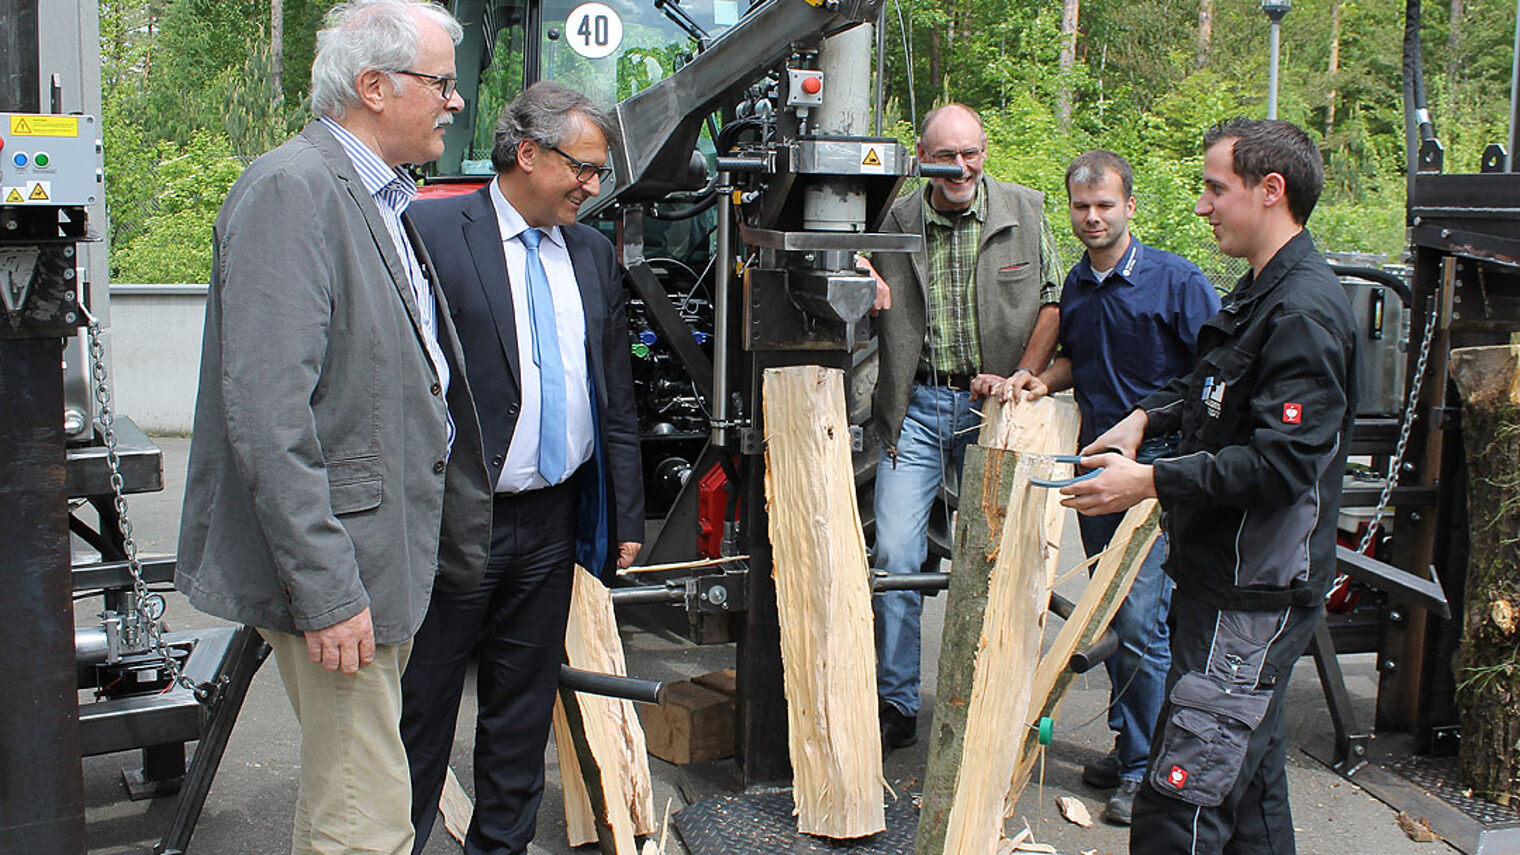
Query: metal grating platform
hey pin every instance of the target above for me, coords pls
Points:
(762, 822)
(1438, 775)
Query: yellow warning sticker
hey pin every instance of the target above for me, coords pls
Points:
(13, 196)
(39, 192)
(44, 126)
(871, 159)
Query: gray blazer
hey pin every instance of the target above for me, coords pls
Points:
(319, 482)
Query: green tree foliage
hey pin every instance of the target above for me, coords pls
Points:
(175, 242)
(188, 83)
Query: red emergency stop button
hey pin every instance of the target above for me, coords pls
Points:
(811, 85)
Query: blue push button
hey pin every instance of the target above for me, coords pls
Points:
(19, 158)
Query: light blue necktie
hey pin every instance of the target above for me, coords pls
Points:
(551, 367)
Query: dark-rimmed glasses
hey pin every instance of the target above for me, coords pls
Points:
(950, 155)
(445, 85)
(583, 170)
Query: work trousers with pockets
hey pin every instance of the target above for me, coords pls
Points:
(1217, 781)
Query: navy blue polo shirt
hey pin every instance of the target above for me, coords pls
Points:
(1130, 334)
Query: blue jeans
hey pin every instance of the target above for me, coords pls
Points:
(938, 427)
(1137, 670)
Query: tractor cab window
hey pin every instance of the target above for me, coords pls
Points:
(606, 49)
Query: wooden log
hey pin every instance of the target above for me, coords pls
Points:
(1488, 661)
(823, 597)
(695, 724)
(618, 798)
(999, 586)
(1048, 426)
(1094, 610)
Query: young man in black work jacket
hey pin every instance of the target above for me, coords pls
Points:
(1252, 498)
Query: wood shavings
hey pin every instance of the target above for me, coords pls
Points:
(1417, 830)
(1074, 811)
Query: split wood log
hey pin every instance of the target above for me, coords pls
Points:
(999, 587)
(1094, 611)
(823, 600)
(1488, 661)
(611, 792)
(1047, 426)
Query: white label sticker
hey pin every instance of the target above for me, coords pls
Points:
(594, 30)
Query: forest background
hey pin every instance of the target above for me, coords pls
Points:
(195, 89)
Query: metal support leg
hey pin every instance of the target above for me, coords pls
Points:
(1351, 742)
(247, 652)
(161, 773)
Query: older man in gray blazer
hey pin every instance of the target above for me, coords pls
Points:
(336, 467)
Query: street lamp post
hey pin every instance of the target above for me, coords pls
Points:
(1275, 10)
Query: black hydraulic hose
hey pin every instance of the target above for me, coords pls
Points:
(730, 512)
(687, 212)
(1417, 125)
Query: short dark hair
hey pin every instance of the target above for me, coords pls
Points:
(1264, 146)
(1089, 168)
(544, 113)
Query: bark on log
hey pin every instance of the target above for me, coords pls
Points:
(999, 585)
(823, 599)
(1488, 662)
(618, 801)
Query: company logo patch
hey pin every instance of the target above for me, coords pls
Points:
(1177, 777)
(1293, 413)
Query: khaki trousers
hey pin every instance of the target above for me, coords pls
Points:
(356, 792)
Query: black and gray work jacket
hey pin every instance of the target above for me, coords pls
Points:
(1264, 419)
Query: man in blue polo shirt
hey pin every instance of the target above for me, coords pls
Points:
(1130, 315)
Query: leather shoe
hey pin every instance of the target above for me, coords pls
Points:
(1121, 805)
(898, 730)
(1103, 773)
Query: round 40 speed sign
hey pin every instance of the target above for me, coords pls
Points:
(594, 30)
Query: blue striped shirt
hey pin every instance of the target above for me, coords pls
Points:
(393, 190)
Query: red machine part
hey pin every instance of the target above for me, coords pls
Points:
(712, 511)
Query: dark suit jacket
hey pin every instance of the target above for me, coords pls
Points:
(464, 241)
(319, 479)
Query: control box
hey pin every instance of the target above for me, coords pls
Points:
(50, 160)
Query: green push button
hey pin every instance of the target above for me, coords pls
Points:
(41, 159)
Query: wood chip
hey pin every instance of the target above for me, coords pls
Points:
(1417, 830)
(1075, 812)
(1045, 848)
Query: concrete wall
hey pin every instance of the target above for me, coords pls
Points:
(155, 342)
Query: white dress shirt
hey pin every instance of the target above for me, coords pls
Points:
(520, 472)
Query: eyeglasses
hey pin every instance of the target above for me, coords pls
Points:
(445, 85)
(946, 155)
(584, 170)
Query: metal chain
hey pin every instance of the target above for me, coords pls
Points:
(1391, 478)
(151, 604)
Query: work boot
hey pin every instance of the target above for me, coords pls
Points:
(1103, 773)
(1121, 805)
(898, 730)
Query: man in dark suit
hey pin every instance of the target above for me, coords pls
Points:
(541, 313)
(337, 466)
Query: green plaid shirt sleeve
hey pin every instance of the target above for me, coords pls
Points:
(1051, 275)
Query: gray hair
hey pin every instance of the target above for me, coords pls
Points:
(544, 114)
(362, 34)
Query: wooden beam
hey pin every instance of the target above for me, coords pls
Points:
(1105, 592)
(999, 585)
(610, 796)
(823, 599)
